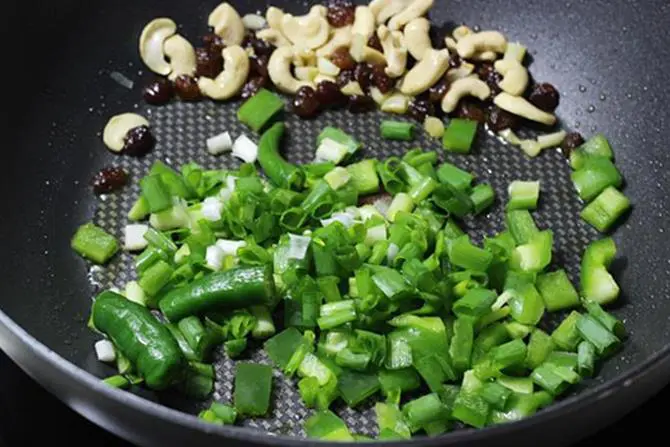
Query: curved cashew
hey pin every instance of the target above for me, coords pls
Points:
(279, 69)
(462, 71)
(486, 56)
(274, 34)
(152, 38)
(306, 73)
(515, 76)
(416, 9)
(426, 72)
(364, 22)
(254, 22)
(385, 9)
(227, 24)
(341, 37)
(231, 80)
(327, 67)
(450, 42)
(182, 56)
(303, 57)
(417, 38)
(460, 32)
(480, 42)
(309, 31)
(470, 86)
(361, 52)
(274, 17)
(118, 127)
(519, 106)
(395, 51)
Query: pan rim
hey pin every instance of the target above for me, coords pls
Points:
(170, 415)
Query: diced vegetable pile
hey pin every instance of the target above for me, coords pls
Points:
(390, 300)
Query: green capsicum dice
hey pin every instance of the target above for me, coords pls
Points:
(231, 289)
(140, 337)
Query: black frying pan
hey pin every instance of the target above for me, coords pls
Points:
(610, 61)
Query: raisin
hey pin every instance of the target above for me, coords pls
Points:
(158, 92)
(343, 59)
(360, 103)
(259, 65)
(500, 119)
(455, 60)
(381, 80)
(252, 86)
(437, 92)
(305, 103)
(468, 109)
(138, 141)
(213, 43)
(487, 73)
(345, 77)
(109, 180)
(420, 107)
(571, 142)
(329, 94)
(208, 63)
(544, 96)
(375, 43)
(260, 46)
(187, 87)
(363, 75)
(340, 13)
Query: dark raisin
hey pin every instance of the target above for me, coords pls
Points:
(345, 77)
(375, 43)
(305, 103)
(572, 141)
(138, 141)
(213, 43)
(544, 96)
(380, 79)
(187, 87)
(420, 107)
(500, 119)
(468, 109)
(328, 94)
(455, 60)
(343, 59)
(360, 104)
(259, 65)
(208, 63)
(487, 73)
(340, 13)
(363, 75)
(252, 86)
(158, 92)
(437, 92)
(109, 180)
(260, 46)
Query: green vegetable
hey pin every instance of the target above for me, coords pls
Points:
(459, 135)
(364, 177)
(340, 137)
(278, 170)
(156, 193)
(597, 284)
(557, 291)
(92, 242)
(566, 336)
(482, 197)
(258, 110)
(607, 320)
(597, 146)
(397, 130)
(253, 387)
(326, 426)
(281, 347)
(540, 345)
(595, 176)
(454, 176)
(592, 331)
(523, 195)
(424, 410)
(606, 209)
(355, 387)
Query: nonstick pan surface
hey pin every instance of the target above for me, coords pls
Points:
(609, 60)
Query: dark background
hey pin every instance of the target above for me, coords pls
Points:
(28, 414)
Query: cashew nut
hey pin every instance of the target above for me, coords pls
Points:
(515, 76)
(515, 51)
(417, 38)
(450, 42)
(254, 22)
(470, 86)
(352, 88)
(426, 72)
(227, 24)
(327, 67)
(274, 35)
(395, 51)
(182, 56)
(306, 73)
(385, 9)
(323, 78)
(460, 32)
(378, 96)
(416, 9)
(396, 103)
(462, 71)
(152, 38)
(519, 106)
(341, 37)
(361, 52)
(118, 127)
(231, 80)
(309, 31)
(364, 22)
(480, 42)
(279, 69)
(303, 57)
(486, 56)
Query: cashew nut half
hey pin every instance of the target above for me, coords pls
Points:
(361, 52)
(519, 106)
(515, 76)
(395, 51)
(364, 22)
(254, 22)
(152, 38)
(462, 71)
(480, 42)
(417, 37)
(279, 69)
(486, 56)
(227, 24)
(309, 31)
(385, 9)
(341, 37)
(470, 86)
(231, 80)
(416, 9)
(118, 127)
(274, 34)
(460, 32)
(182, 56)
(426, 72)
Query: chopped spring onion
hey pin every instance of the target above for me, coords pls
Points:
(212, 208)
(460, 135)
(337, 178)
(401, 202)
(156, 193)
(133, 237)
(364, 177)
(607, 320)
(117, 381)
(566, 336)
(340, 137)
(482, 197)
(92, 242)
(214, 257)
(326, 426)
(586, 359)
(597, 284)
(454, 176)
(376, 234)
(135, 293)
(245, 149)
(258, 110)
(523, 195)
(298, 246)
(397, 130)
(606, 209)
(220, 143)
(343, 218)
(596, 146)
(331, 151)
(336, 314)
(253, 387)
(592, 331)
(557, 291)
(104, 351)
(595, 176)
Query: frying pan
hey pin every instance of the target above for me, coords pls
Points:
(609, 59)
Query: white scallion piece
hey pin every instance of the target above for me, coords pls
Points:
(229, 247)
(375, 234)
(104, 351)
(245, 149)
(220, 143)
(337, 178)
(392, 252)
(298, 246)
(344, 218)
(133, 236)
(135, 293)
(214, 257)
(330, 150)
(368, 212)
(382, 205)
(212, 208)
